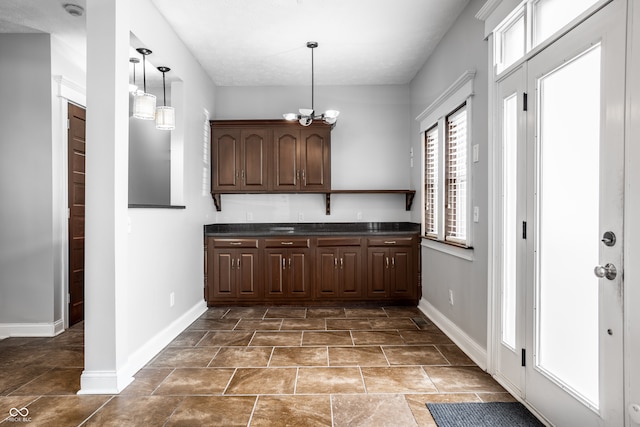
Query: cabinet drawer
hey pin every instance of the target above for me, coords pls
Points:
(339, 241)
(391, 241)
(233, 243)
(286, 243)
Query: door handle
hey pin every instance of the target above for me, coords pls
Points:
(335, 262)
(232, 263)
(284, 263)
(238, 264)
(609, 271)
(387, 259)
(286, 243)
(393, 262)
(341, 263)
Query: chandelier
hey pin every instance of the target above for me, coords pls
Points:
(306, 115)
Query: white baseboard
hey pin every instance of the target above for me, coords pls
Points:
(31, 329)
(113, 382)
(151, 348)
(457, 335)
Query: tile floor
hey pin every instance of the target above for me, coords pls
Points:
(258, 366)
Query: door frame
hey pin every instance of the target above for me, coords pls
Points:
(66, 92)
(631, 207)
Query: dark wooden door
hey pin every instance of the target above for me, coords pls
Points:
(274, 272)
(76, 191)
(286, 170)
(222, 277)
(401, 272)
(315, 160)
(327, 272)
(299, 277)
(350, 266)
(225, 158)
(378, 272)
(247, 271)
(253, 159)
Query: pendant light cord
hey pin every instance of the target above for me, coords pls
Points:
(164, 90)
(144, 73)
(312, 108)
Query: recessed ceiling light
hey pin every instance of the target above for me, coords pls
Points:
(74, 9)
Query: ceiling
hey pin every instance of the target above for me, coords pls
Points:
(263, 42)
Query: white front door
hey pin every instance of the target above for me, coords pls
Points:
(561, 257)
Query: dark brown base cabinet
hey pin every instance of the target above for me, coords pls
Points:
(312, 270)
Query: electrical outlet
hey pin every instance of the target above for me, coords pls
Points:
(359, 216)
(172, 299)
(476, 153)
(249, 216)
(476, 214)
(300, 216)
(450, 297)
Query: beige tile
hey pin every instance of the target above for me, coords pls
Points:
(12, 378)
(325, 312)
(64, 357)
(18, 356)
(365, 312)
(303, 324)
(376, 337)
(55, 381)
(357, 356)
(213, 411)
(299, 356)
(69, 338)
(259, 325)
(276, 339)
(329, 380)
(425, 337)
(403, 312)
(226, 338)
(326, 338)
(496, 397)
(462, 379)
(146, 381)
(188, 338)
(449, 397)
(295, 411)
(398, 379)
(286, 313)
(348, 324)
(365, 410)
(61, 411)
(454, 355)
(414, 355)
(254, 381)
(213, 324)
(246, 313)
(135, 411)
(394, 323)
(214, 313)
(235, 357)
(180, 357)
(186, 381)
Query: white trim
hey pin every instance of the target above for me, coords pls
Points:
(487, 9)
(456, 251)
(31, 329)
(457, 335)
(113, 382)
(152, 347)
(71, 91)
(460, 90)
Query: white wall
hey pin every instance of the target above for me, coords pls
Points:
(369, 150)
(461, 49)
(26, 247)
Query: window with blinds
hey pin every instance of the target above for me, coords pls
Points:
(431, 182)
(456, 177)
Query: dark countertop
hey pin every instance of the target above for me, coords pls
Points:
(310, 229)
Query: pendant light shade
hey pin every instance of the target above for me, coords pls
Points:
(144, 104)
(308, 115)
(165, 116)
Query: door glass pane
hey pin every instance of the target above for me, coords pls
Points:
(551, 15)
(512, 39)
(509, 204)
(568, 224)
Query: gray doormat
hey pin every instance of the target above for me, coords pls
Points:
(491, 414)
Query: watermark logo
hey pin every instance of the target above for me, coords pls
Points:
(19, 415)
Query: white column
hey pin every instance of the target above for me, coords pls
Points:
(106, 316)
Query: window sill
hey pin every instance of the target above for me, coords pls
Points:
(456, 251)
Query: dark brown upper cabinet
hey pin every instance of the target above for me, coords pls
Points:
(239, 159)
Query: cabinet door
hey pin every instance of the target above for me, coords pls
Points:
(225, 159)
(350, 268)
(299, 278)
(315, 159)
(253, 159)
(286, 148)
(222, 278)
(378, 272)
(402, 276)
(327, 273)
(247, 274)
(275, 270)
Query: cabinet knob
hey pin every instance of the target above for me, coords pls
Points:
(286, 243)
(389, 242)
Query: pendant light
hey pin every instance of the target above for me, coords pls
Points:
(144, 104)
(165, 116)
(307, 116)
(133, 87)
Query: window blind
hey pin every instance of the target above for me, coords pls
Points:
(456, 176)
(431, 181)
